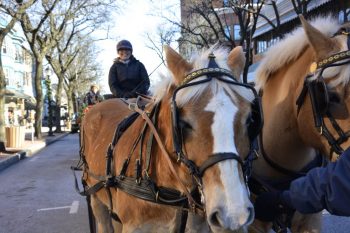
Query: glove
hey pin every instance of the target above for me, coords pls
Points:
(129, 95)
(269, 205)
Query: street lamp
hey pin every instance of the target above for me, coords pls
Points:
(49, 99)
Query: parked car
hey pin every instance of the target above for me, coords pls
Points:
(75, 123)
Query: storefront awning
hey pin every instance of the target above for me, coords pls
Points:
(29, 101)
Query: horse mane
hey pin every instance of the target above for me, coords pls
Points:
(199, 61)
(289, 49)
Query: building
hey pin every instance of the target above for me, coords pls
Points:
(265, 36)
(200, 17)
(18, 67)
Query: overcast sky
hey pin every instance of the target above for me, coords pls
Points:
(135, 19)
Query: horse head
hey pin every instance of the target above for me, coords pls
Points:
(328, 102)
(304, 79)
(208, 111)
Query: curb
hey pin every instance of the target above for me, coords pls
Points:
(27, 153)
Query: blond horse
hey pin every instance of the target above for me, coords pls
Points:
(306, 102)
(208, 124)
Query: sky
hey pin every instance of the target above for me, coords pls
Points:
(132, 22)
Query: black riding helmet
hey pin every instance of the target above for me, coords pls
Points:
(124, 44)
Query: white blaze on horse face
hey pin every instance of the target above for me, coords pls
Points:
(230, 201)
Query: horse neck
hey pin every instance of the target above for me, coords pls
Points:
(281, 139)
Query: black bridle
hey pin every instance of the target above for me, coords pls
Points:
(254, 122)
(319, 97)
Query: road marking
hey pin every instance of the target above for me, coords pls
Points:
(73, 209)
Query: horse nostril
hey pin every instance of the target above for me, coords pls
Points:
(214, 219)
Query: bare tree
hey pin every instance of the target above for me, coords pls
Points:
(43, 27)
(81, 73)
(12, 9)
(165, 35)
(208, 22)
(300, 6)
(47, 24)
(67, 48)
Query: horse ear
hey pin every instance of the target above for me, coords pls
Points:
(321, 44)
(236, 61)
(176, 64)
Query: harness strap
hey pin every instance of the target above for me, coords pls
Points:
(218, 157)
(164, 151)
(92, 223)
(87, 191)
(181, 221)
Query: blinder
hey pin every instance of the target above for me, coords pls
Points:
(254, 120)
(319, 98)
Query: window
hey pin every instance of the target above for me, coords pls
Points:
(4, 47)
(227, 31)
(341, 17)
(26, 80)
(347, 15)
(262, 46)
(237, 32)
(18, 54)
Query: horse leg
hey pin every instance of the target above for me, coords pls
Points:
(306, 223)
(102, 217)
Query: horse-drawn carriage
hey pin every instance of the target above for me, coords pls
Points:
(182, 162)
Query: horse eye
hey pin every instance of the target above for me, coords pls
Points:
(334, 97)
(184, 124)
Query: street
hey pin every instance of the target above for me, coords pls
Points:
(37, 195)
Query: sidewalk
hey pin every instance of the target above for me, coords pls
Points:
(29, 147)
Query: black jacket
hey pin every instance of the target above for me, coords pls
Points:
(92, 98)
(126, 80)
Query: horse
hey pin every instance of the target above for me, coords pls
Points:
(304, 83)
(181, 157)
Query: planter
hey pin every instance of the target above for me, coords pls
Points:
(15, 136)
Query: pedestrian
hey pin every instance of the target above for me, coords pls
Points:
(93, 96)
(321, 188)
(127, 76)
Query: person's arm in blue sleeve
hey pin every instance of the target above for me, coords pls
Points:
(323, 188)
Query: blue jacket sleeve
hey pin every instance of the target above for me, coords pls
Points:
(323, 188)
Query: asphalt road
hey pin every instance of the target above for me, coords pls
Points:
(37, 195)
